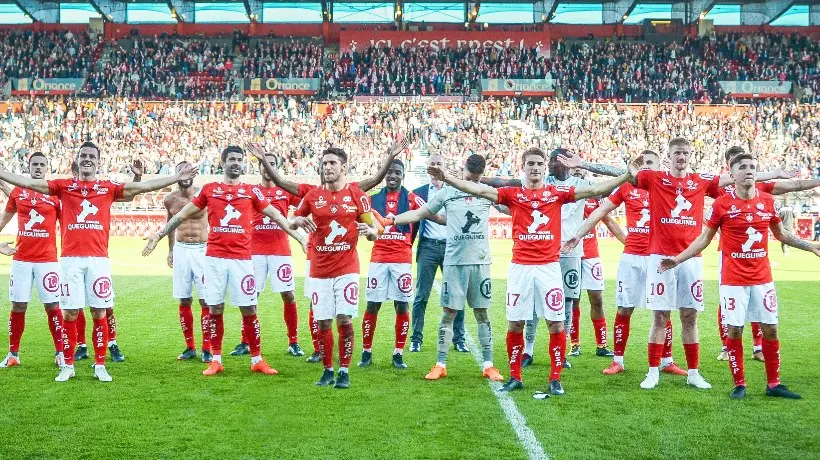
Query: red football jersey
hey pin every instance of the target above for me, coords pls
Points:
(85, 218)
(591, 238)
(334, 242)
(303, 190)
(536, 217)
(765, 187)
(676, 208)
(637, 217)
(392, 245)
(744, 231)
(267, 238)
(230, 213)
(36, 225)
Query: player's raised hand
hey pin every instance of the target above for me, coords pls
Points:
(255, 149)
(137, 168)
(436, 172)
(187, 172)
(170, 259)
(570, 244)
(305, 223)
(787, 173)
(570, 160)
(667, 263)
(396, 148)
(366, 230)
(151, 245)
(7, 250)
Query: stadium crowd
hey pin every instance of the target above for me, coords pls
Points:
(54, 54)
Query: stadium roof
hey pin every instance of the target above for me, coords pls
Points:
(737, 12)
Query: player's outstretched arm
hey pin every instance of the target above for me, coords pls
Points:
(259, 153)
(473, 188)
(186, 212)
(502, 209)
(4, 188)
(574, 161)
(601, 188)
(7, 250)
(368, 226)
(415, 215)
(615, 229)
(5, 218)
(694, 249)
(284, 224)
(395, 149)
(38, 185)
(171, 234)
(789, 239)
(599, 213)
(137, 169)
(132, 189)
(777, 174)
(794, 186)
(497, 182)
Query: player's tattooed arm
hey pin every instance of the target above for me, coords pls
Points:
(574, 161)
(132, 189)
(259, 153)
(789, 239)
(694, 249)
(614, 228)
(599, 213)
(502, 209)
(38, 185)
(416, 215)
(473, 188)
(497, 182)
(794, 186)
(185, 213)
(395, 149)
(601, 188)
(283, 223)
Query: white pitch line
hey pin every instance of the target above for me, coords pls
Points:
(526, 436)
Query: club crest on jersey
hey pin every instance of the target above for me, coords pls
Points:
(84, 192)
(229, 197)
(749, 217)
(334, 209)
(645, 203)
(535, 204)
(468, 200)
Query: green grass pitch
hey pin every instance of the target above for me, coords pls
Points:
(158, 407)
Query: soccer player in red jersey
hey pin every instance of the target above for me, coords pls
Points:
(388, 276)
(300, 190)
(228, 268)
(337, 213)
(270, 251)
(745, 215)
(84, 229)
(534, 284)
(34, 262)
(592, 281)
(773, 188)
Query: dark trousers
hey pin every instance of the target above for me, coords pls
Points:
(429, 258)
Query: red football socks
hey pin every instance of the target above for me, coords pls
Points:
(112, 325)
(100, 340)
(326, 347)
(575, 330)
(55, 326)
(621, 333)
(70, 340)
(205, 321)
(217, 330)
(81, 328)
(734, 348)
(252, 332)
(291, 323)
(667, 344)
(368, 329)
(771, 356)
(17, 323)
(558, 351)
(314, 332)
(757, 336)
(724, 329)
(600, 332)
(692, 352)
(515, 346)
(345, 344)
(655, 350)
(186, 321)
(402, 327)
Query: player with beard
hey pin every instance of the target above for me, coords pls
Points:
(228, 267)
(34, 262)
(300, 190)
(745, 215)
(85, 221)
(186, 256)
(336, 213)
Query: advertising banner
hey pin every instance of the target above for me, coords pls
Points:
(43, 86)
(757, 89)
(352, 40)
(294, 86)
(517, 87)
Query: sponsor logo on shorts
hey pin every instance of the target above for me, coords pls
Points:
(770, 301)
(555, 299)
(102, 287)
(697, 290)
(486, 288)
(405, 283)
(597, 271)
(285, 273)
(51, 282)
(351, 293)
(248, 285)
(571, 278)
